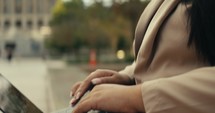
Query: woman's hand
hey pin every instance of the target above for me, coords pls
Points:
(95, 78)
(112, 98)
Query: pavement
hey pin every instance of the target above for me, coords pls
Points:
(61, 80)
(46, 83)
(30, 77)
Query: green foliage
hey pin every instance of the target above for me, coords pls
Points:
(122, 43)
(75, 26)
(67, 24)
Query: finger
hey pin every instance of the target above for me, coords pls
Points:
(84, 106)
(74, 88)
(80, 92)
(93, 101)
(97, 81)
(96, 76)
(87, 84)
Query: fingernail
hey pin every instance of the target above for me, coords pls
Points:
(96, 81)
(72, 101)
(78, 95)
(70, 105)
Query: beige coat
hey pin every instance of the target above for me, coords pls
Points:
(174, 79)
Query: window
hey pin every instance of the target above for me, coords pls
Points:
(6, 24)
(40, 23)
(1, 6)
(29, 24)
(40, 6)
(52, 2)
(6, 6)
(30, 6)
(18, 24)
(18, 6)
(51, 5)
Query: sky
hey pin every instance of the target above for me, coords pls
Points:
(106, 2)
(89, 2)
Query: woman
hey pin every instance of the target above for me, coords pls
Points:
(173, 68)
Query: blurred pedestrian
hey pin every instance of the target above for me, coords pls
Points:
(10, 48)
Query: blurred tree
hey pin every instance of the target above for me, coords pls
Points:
(97, 27)
(67, 26)
(131, 10)
(122, 43)
(103, 24)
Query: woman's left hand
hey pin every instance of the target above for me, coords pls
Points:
(112, 98)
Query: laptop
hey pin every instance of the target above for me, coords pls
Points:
(13, 101)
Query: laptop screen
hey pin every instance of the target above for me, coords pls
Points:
(13, 101)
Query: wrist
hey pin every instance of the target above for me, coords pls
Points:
(137, 99)
(128, 80)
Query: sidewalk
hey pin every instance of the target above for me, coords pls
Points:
(47, 83)
(30, 77)
(62, 78)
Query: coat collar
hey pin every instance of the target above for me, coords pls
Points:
(144, 21)
(158, 12)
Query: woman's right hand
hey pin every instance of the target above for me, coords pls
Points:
(95, 78)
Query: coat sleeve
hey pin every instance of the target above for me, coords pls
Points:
(191, 92)
(128, 70)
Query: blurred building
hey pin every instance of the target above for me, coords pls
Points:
(21, 23)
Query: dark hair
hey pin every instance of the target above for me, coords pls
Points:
(202, 32)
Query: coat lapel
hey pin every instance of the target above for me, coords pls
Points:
(144, 21)
(151, 31)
